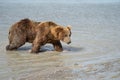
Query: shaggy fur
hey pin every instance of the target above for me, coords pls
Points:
(37, 33)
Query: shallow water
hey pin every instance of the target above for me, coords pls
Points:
(94, 53)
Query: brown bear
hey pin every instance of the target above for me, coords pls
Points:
(37, 33)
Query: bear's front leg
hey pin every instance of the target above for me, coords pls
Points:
(35, 48)
(37, 43)
(57, 45)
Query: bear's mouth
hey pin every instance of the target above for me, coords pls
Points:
(68, 42)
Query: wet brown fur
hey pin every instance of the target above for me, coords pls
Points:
(37, 33)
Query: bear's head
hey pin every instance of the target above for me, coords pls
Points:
(63, 34)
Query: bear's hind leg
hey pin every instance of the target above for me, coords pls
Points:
(15, 42)
(13, 46)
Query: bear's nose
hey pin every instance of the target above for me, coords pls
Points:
(69, 42)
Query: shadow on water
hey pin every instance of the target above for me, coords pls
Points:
(51, 48)
(73, 48)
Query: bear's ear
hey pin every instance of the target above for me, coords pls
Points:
(69, 27)
(58, 29)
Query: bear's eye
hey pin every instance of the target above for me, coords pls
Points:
(66, 35)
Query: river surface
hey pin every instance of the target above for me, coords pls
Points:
(94, 53)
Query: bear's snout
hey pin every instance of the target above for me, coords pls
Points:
(69, 42)
(8, 47)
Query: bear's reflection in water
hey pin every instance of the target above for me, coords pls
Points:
(49, 47)
(46, 64)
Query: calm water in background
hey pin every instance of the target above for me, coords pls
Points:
(94, 53)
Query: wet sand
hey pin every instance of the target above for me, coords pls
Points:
(94, 53)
